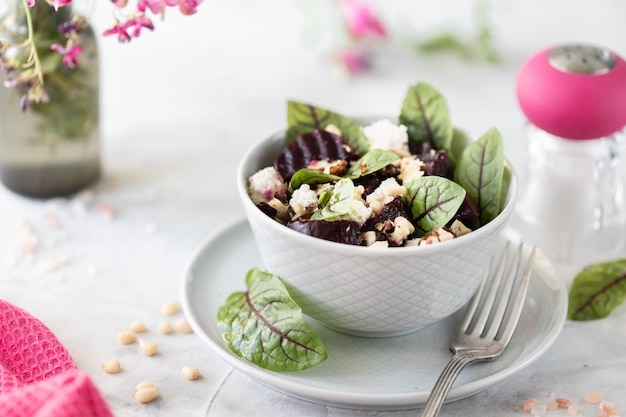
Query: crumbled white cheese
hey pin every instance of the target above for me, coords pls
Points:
(265, 184)
(303, 201)
(384, 134)
(369, 237)
(386, 191)
(358, 212)
(333, 129)
(459, 229)
(410, 169)
(379, 244)
(435, 236)
(403, 228)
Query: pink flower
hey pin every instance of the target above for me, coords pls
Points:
(139, 22)
(56, 3)
(361, 21)
(352, 61)
(70, 54)
(120, 31)
(188, 7)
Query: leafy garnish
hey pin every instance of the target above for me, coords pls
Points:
(338, 203)
(433, 201)
(480, 170)
(597, 290)
(372, 161)
(304, 118)
(425, 113)
(311, 177)
(265, 326)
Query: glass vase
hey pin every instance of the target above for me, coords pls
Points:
(50, 149)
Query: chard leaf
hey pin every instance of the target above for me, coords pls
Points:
(433, 202)
(303, 118)
(425, 113)
(480, 170)
(338, 203)
(265, 326)
(311, 177)
(597, 290)
(374, 160)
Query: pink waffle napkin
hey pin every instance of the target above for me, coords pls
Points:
(38, 377)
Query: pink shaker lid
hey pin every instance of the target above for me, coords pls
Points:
(574, 91)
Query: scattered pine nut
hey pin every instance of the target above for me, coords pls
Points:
(562, 402)
(145, 395)
(137, 327)
(126, 337)
(529, 404)
(171, 308)
(190, 372)
(182, 326)
(594, 398)
(551, 406)
(144, 384)
(165, 327)
(148, 347)
(111, 367)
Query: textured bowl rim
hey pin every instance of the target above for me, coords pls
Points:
(250, 207)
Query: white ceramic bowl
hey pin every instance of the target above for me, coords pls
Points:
(375, 292)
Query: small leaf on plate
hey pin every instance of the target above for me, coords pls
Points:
(303, 118)
(374, 160)
(265, 326)
(597, 290)
(338, 203)
(425, 113)
(480, 170)
(433, 201)
(311, 177)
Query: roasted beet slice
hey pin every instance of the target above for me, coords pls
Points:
(313, 146)
(436, 163)
(341, 231)
(390, 211)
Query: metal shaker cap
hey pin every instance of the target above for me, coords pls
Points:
(582, 59)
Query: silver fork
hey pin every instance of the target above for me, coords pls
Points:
(488, 323)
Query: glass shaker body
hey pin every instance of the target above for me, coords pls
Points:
(572, 202)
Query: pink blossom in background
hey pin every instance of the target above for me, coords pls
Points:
(70, 54)
(352, 61)
(361, 20)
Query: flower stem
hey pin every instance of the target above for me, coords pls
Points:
(33, 58)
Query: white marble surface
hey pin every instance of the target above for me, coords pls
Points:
(180, 107)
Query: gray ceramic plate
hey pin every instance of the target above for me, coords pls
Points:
(364, 373)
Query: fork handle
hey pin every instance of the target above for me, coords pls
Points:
(440, 391)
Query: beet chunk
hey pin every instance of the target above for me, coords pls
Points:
(395, 208)
(341, 231)
(318, 145)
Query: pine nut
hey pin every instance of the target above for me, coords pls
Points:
(137, 327)
(190, 372)
(165, 327)
(148, 347)
(171, 308)
(594, 398)
(182, 326)
(126, 337)
(145, 395)
(111, 367)
(144, 384)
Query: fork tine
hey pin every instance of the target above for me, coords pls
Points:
(505, 294)
(481, 321)
(516, 310)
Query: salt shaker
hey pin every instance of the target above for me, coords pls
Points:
(572, 202)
